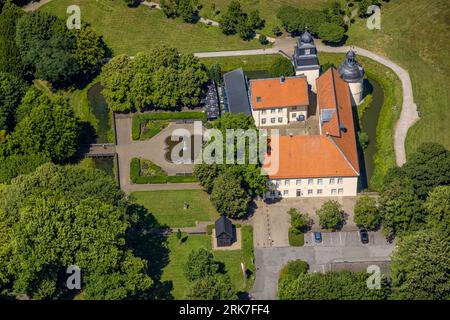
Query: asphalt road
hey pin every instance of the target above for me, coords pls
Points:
(338, 250)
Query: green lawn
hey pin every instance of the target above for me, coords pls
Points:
(247, 63)
(385, 156)
(232, 260)
(131, 30)
(415, 34)
(167, 206)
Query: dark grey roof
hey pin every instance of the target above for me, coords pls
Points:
(236, 99)
(306, 61)
(223, 225)
(350, 70)
(306, 38)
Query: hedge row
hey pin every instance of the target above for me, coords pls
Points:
(135, 175)
(296, 239)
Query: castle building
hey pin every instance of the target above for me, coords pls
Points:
(317, 152)
(279, 101)
(305, 59)
(323, 165)
(353, 73)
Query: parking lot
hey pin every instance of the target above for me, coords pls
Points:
(342, 239)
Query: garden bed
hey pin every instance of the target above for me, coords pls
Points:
(146, 172)
(296, 239)
(147, 125)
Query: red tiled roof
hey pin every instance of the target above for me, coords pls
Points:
(272, 93)
(332, 155)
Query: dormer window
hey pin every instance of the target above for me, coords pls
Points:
(258, 99)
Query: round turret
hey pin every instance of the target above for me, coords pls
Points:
(350, 70)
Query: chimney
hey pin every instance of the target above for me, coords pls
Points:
(282, 79)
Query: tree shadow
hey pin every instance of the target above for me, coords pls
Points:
(148, 240)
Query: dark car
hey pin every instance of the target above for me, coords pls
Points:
(364, 235)
(317, 237)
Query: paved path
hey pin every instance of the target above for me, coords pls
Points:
(408, 115)
(149, 149)
(321, 258)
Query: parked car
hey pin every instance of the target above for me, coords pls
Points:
(364, 235)
(317, 237)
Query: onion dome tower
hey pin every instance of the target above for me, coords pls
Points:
(353, 73)
(305, 59)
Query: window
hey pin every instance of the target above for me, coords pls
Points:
(272, 120)
(310, 181)
(263, 120)
(258, 99)
(319, 181)
(307, 51)
(340, 191)
(280, 110)
(298, 182)
(294, 115)
(280, 120)
(263, 111)
(310, 191)
(277, 183)
(319, 191)
(272, 110)
(333, 191)
(332, 181)
(299, 192)
(294, 108)
(340, 181)
(286, 182)
(285, 192)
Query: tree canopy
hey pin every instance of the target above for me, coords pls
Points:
(367, 214)
(12, 89)
(420, 266)
(340, 285)
(438, 208)
(236, 20)
(59, 216)
(161, 78)
(330, 215)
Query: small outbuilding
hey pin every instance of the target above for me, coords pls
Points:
(224, 232)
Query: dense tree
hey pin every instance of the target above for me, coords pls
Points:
(215, 73)
(217, 287)
(295, 20)
(229, 197)
(12, 89)
(16, 165)
(367, 214)
(330, 215)
(293, 269)
(61, 216)
(420, 266)
(235, 20)
(90, 50)
(186, 9)
(331, 32)
(200, 264)
(341, 285)
(161, 78)
(10, 60)
(428, 167)
(51, 129)
(438, 208)
(207, 174)
(299, 220)
(281, 67)
(401, 210)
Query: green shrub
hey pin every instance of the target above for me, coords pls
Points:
(135, 169)
(181, 179)
(294, 269)
(296, 239)
(209, 229)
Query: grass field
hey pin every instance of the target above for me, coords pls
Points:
(167, 206)
(247, 63)
(131, 30)
(390, 111)
(415, 34)
(231, 259)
